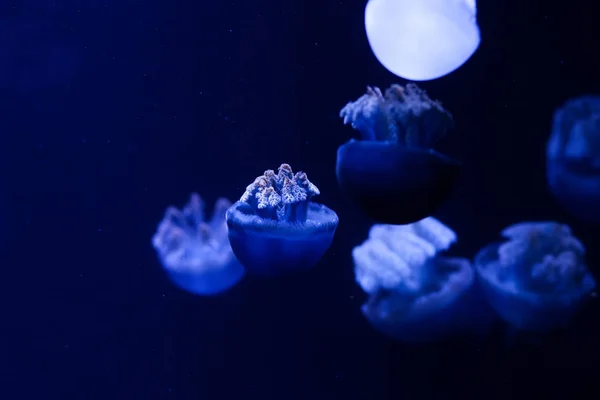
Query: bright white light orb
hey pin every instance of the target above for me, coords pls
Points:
(421, 40)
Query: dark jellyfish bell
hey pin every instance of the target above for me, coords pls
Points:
(523, 309)
(393, 184)
(576, 185)
(271, 248)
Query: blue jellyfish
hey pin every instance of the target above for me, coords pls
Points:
(573, 157)
(421, 40)
(275, 228)
(537, 279)
(196, 254)
(393, 174)
(415, 294)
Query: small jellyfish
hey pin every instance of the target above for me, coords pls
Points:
(573, 157)
(393, 174)
(537, 279)
(415, 294)
(275, 228)
(196, 254)
(420, 40)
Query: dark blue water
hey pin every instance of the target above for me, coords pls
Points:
(111, 111)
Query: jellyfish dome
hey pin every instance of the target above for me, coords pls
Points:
(274, 228)
(415, 294)
(573, 157)
(196, 253)
(537, 279)
(421, 40)
(393, 174)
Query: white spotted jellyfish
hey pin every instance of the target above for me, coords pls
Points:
(537, 279)
(422, 40)
(195, 252)
(275, 227)
(573, 157)
(392, 173)
(416, 293)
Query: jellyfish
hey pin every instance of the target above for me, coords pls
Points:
(537, 279)
(393, 174)
(573, 157)
(196, 253)
(415, 293)
(275, 227)
(421, 40)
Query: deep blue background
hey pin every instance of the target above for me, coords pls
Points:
(112, 111)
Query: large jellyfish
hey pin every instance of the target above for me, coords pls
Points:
(415, 294)
(537, 279)
(422, 40)
(196, 254)
(573, 157)
(275, 228)
(393, 174)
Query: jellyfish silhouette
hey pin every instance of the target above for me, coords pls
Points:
(415, 294)
(573, 157)
(275, 228)
(537, 279)
(196, 254)
(393, 174)
(422, 40)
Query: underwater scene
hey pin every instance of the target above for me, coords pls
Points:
(301, 200)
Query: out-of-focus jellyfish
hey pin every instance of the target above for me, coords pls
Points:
(275, 228)
(537, 279)
(573, 157)
(415, 294)
(196, 253)
(393, 174)
(422, 40)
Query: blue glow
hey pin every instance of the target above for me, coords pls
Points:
(196, 254)
(573, 157)
(422, 40)
(414, 293)
(537, 279)
(275, 228)
(393, 174)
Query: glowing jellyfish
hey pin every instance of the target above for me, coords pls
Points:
(537, 279)
(573, 157)
(393, 174)
(275, 228)
(196, 254)
(415, 294)
(422, 40)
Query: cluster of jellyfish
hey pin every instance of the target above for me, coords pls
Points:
(535, 279)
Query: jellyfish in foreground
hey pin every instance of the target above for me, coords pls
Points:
(537, 279)
(275, 228)
(393, 174)
(422, 40)
(416, 294)
(196, 253)
(573, 157)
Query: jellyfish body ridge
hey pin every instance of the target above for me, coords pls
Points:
(392, 174)
(421, 40)
(195, 252)
(275, 228)
(537, 279)
(573, 157)
(415, 293)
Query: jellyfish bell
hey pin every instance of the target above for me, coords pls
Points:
(393, 174)
(422, 40)
(536, 280)
(195, 252)
(573, 157)
(415, 293)
(275, 228)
